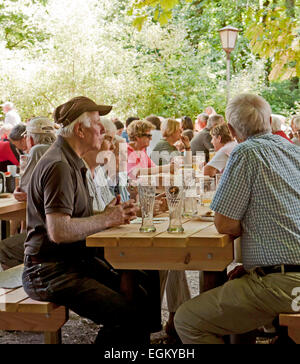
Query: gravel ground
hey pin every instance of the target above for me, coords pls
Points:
(79, 330)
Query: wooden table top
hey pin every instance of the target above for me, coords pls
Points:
(10, 204)
(199, 247)
(196, 233)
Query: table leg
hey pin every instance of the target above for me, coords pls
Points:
(210, 280)
(4, 229)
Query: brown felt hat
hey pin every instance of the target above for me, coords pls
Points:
(66, 113)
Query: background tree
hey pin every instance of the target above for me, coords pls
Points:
(17, 27)
(272, 26)
(169, 70)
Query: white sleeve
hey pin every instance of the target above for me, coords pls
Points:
(219, 160)
(12, 118)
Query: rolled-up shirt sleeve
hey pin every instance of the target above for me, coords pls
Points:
(58, 189)
(234, 191)
(218, 161)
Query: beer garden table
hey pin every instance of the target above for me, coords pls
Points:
(11, 209)
(199, 247)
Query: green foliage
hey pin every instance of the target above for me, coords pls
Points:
(262, 23)
(268, 41)
(17, 28)
(282, 99)
(170, 71)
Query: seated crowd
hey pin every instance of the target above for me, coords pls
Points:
(77, 182)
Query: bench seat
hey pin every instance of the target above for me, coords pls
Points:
(292, 321)
(18, 312)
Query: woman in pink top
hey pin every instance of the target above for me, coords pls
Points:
(138, 161)
(139, 133)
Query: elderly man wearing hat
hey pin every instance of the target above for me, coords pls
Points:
(36, 138)
(58, 267)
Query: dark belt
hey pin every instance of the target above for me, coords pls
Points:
(281, 268)
(31, 259)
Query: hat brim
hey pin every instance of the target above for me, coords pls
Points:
(102, 109)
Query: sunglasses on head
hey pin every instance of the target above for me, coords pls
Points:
(146, 135)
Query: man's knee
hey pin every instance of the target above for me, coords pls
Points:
(182, 322)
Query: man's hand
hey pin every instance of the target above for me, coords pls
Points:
(19, 195)
(186, 142)
(119, 214)
(160, 204)
(237, 272)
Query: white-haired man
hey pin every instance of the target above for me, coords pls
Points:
(38, 136)
(295, 125)
(58, 266)
(11, 119)
(201, 121)
(258, 199)
(277, 121)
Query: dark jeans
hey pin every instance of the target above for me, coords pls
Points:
(12, 250)
(91, 289)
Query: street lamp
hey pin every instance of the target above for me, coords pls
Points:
(228, 37)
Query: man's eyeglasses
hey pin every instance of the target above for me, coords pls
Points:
(109, 138)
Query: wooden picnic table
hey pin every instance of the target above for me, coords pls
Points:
(199, 247)
(11, 209)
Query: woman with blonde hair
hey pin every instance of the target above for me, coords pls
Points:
(165, 149)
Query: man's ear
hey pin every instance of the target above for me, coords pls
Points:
(232, 131)
(31, 141)
(234, 134)
(78, 130)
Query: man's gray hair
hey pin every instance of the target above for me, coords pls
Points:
(48, 138)
(249, 115)
(214, 120)
(277, 121)
(68, 130)
(296, 121)
(203, 117)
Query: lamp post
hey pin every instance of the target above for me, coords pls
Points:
(228, 37)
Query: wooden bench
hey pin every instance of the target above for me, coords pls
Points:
(18, 312)
(292, 321)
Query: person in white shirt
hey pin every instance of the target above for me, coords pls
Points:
(156, 133)
(223, 144)
(11, 119)
(11, 116)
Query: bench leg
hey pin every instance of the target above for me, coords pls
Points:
(52, 337)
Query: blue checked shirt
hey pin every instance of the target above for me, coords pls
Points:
(261, 188)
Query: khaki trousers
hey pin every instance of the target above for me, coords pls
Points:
(176, 286)
(237, 307)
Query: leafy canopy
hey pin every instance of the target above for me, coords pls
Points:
(263, 23)
(17, 29)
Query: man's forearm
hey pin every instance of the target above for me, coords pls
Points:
(64, 229)
(225, 225)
